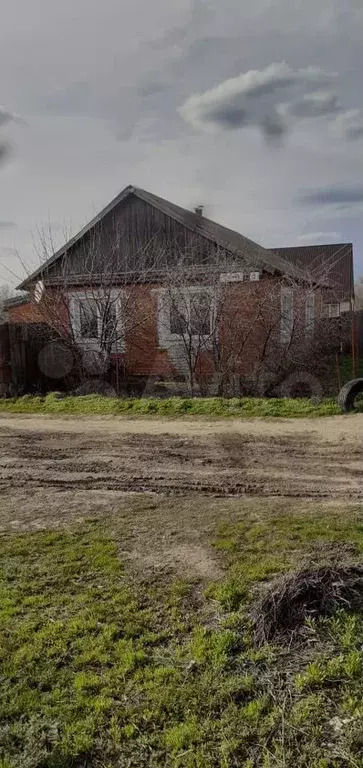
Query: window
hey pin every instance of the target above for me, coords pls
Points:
(287, 314)
(190, 312)
(178, 317)
(345, 306)
(331, 310)
(95, 317)
(109, 325)
(88, 320)
(200, 314)
(310, 312)
(334, 310)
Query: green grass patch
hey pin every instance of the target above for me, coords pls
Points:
(98, 668)
(174, 407)
(272, 543)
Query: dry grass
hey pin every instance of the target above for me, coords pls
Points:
(287, 605)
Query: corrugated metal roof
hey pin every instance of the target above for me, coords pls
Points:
(232, 241)
(331, 263)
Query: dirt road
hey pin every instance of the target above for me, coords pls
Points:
(298, 458)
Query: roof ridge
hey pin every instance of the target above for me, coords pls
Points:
(227, 238)
(200, 221)
(310, 245)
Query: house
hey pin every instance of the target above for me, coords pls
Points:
(332, 263)
(168, 293)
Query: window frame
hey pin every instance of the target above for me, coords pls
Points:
(166, 339)
(74, 303)
(187, 293)
(82, 308)
(327, 310)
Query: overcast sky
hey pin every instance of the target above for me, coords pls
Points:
(253, 108)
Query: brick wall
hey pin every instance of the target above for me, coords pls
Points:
(251, 311)
(24, 313)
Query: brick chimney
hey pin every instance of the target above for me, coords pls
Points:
(199, 210)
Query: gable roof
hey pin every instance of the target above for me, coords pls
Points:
(331, 263)
(232, 241)
(16, 301)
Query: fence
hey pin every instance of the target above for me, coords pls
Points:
(21, 348)
(5, 368)
(24, 368)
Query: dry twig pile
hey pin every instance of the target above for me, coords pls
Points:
(296, 597)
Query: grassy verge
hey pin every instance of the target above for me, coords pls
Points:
(213, 407)
(100, 669)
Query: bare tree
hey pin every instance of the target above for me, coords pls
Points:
(187, 319)
(213, 319)
(248, 337)
(97, 298)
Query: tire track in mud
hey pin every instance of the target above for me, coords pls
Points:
(228, 464)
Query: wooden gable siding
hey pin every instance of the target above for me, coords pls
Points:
(134, 237)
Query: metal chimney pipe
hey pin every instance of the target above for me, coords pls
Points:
(199, 210)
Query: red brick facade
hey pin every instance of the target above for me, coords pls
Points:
(24, 313)
(250, 313)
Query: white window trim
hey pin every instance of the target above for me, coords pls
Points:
(165, 337)
(345, 306)
(115, 296)
(310, 312)
(327, 310)
(285, 337)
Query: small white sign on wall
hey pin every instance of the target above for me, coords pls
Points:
(231, 277)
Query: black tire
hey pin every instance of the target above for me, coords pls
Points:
(348, 393)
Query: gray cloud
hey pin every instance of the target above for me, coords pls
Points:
(343, 195)
(273, 126)
(315, 104)
(128, 75)
(356, 133)
(227, 115)
(7, 117)
(349, 125)
(7, 224)
(150, 83)
(255, 98)
(196, 45)
(319, 237)
(4, 151)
